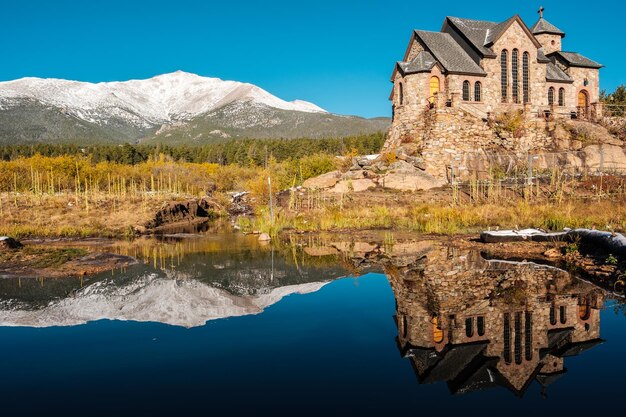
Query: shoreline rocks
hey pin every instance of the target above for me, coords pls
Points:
(7, 243)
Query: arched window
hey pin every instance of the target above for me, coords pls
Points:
(528, 336)
(504, 74)
(550, 96)
(466, 90)
(405, 326)
(469, 327)
(515, 75)
(517, 339)
(480, 326)
(526, 76)
(561, 97)
(563, 314)
(552, 314)
(477, 91)
(401, 93)
(507, 338)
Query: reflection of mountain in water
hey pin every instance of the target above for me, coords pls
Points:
(476, 324)
(150, 297)
(200, 286)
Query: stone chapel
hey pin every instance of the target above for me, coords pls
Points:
(495, 67)
(452, 83)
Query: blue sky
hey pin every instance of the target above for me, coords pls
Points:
(337, 54)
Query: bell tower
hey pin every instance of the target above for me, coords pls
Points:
(548, 35)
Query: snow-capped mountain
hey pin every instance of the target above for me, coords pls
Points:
(53, 110)
(162, 99)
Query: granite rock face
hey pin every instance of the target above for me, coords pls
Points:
(323, 181)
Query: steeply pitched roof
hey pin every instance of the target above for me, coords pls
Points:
(574, 59)
(449, 53)
(475, 31)
(482, 34)
(423, 62)
(543, 26)
(494, 33)
(556, 74)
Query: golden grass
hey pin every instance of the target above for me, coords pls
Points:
(65, 215)
(438, 219)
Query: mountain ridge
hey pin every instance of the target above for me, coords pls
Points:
(36, 110)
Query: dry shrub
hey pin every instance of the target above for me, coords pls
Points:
(510, 122)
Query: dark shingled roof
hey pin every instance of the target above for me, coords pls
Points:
(495, 32)
(475, 31)
(423, 62)
(543, 26)
(482, 34)
(556, 74)
(574, 59)
(449, 53)
(453, 362)
(541, 56)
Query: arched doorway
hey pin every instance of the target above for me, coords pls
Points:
(437, 331)
(434, 88)
(583, 104)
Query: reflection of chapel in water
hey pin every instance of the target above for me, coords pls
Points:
(476, 324)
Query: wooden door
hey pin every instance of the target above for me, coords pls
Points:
(434, 88)
(582, 99)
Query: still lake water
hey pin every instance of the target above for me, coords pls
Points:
(220, 325)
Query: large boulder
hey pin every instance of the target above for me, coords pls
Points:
(323, 181)
(347, 186)
(591, 132)
(410, 180)
(401, 166)
(604, 157)
(185, 211)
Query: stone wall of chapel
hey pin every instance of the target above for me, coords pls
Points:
(516, 38)
(414, 49)
(454, 285)
(449, 136)
(408, 120)
(593, 87)
(569, 98)
(550, 43)
(455, 86)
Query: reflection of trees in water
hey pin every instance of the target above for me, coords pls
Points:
(232, 262)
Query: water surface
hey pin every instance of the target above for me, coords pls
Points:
(221, 324)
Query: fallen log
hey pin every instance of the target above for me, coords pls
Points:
(614, 243)
(535, 235)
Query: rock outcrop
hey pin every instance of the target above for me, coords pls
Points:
(323, 181)
(177, 212)
(403, 171)
(9, 243)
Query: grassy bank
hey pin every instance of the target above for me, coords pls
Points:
(74, 196)
(448, 219)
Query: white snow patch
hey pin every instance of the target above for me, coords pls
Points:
(161, 99)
